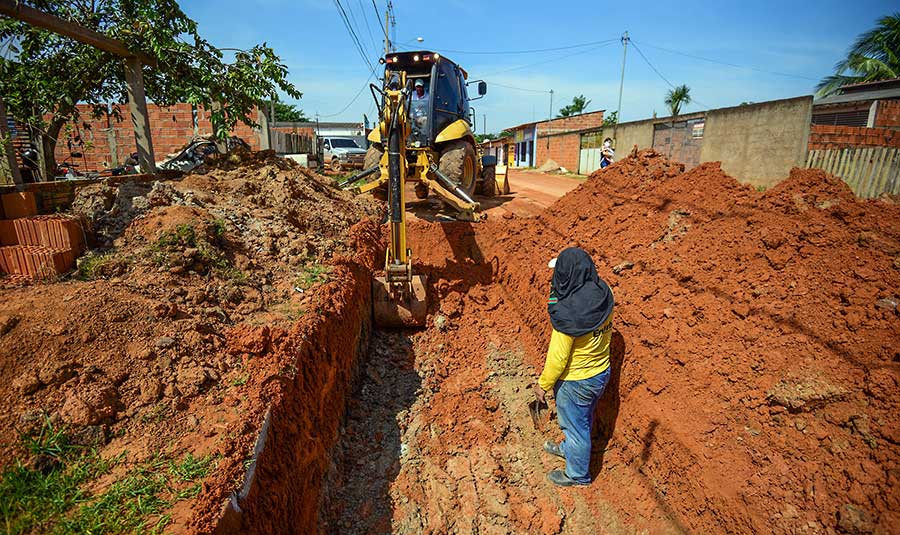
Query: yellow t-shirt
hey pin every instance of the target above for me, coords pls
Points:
(573, 359)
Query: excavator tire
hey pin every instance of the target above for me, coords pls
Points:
(458, 164)
(489, 181)
(373, 157)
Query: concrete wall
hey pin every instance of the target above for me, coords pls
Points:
(759, 143)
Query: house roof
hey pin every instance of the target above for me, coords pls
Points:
(859, 96)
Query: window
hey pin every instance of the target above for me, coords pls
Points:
(343, 143)
(842, 118)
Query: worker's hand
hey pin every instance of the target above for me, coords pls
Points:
(539, 393)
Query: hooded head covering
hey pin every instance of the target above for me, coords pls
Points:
(580, 301)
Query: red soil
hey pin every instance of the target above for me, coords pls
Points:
(757, 382)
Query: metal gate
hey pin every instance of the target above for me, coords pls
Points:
(869, 171)
(680, 141)
(590, 152)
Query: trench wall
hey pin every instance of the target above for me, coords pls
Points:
(282, 489)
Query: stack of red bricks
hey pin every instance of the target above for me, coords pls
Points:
(37, 247)
(823, 136)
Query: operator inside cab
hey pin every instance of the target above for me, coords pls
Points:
(418, 109)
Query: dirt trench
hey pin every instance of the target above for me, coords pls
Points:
(437, 437)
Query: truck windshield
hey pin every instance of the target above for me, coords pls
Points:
(338, 143)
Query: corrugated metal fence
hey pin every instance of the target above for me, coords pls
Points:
(869, 171)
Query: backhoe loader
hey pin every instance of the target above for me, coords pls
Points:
(429, 141)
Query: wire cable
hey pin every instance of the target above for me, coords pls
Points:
(735, 65)
(547, 92)
(354, 99)
(551, 60)
(532, 51)
(664, 79)
(353, 36)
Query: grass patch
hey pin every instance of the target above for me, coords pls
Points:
(240, 381)
(167, 250)
(311, 275)
(100, 266)
(56, 498)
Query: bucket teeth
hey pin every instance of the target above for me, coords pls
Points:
(399, 304)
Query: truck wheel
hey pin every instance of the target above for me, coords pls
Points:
(335, 165)
(373, 157)
(489, 181)
(458, 164)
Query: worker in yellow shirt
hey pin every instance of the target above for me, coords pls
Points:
(577, 367)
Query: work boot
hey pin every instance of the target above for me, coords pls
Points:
(559, 477)
(553, 449)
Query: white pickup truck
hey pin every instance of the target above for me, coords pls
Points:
(341, 153)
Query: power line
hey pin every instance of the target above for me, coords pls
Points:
(521, 88)
(355, 97)
(664, 79)
(532, 51)
(355, 38)
(605, 43)
(362, 14)
(735, 65)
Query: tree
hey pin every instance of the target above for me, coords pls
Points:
(874, 56)
(51, 74)
(578, 105)
(611, 120)
(484, 137)
(289, 113)
(676, 98)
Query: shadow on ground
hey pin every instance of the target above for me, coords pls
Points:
(356, 498)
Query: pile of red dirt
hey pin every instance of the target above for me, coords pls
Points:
(171, 339)
(759, 386)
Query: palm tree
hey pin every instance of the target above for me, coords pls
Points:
(874, 56)
(675, 98)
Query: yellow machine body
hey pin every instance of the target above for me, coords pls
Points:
(399, 298)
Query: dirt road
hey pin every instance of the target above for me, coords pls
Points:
(530, 192)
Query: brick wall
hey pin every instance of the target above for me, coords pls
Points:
(839, 137)
(170, 129)
(888, 115)
(565, 124)
(563, 148)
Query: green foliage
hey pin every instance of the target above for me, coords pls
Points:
(578, 106)
(611, 120)
(58, 500)
(98, 266)
(676, 98)
(168, 248)
(52, 73)
(289, 113)
(874, 56)
(312, 274)
(484, 137)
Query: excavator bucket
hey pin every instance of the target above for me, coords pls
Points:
(399, 304)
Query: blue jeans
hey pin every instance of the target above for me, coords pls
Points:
(575, 402)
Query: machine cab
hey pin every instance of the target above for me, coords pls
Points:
(440, 96)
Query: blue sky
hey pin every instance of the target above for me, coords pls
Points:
(803, 39)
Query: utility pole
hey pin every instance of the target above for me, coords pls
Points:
(621, 86)
(387, 26)
(549, 119)
(484, 123)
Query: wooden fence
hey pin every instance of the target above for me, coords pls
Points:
(869, 171)
(292, 143)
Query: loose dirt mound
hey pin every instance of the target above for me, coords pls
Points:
(754, 378)
(168, 340)
(761, 370)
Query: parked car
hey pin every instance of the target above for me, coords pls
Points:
(342, 152)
